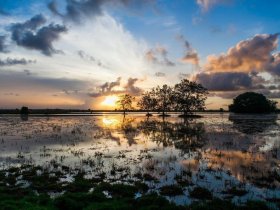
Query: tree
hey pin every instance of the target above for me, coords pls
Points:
(24, 110)
(147, 102)
(189, 96)
(125, 102)
(163, 96)
(251, 102)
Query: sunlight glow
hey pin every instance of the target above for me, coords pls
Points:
(110, 122)
(110, 101)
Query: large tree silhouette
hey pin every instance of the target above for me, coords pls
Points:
(189, 97)
(147, 102)
(163, 96)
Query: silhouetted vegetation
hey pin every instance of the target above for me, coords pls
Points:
(185, 97)
(147, 102)
(189, 97)
(24, 110)
(125, 102)
(251, 102)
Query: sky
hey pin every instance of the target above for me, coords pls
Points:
(81, 54)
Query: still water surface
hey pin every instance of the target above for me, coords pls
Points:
(211, 152)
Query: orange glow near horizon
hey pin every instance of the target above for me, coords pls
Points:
(110, 101)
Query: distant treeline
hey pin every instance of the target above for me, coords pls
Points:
(42, 111)
(86, 111)
(71, 111)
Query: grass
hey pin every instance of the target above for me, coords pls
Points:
(171, 190)
(92, 194)
(201, 193)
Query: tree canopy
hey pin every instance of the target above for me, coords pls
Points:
(189, 96)
(125, 102)
(163, 96)
(251, 102)
(186, 96)
(147, 101)
(24, 110)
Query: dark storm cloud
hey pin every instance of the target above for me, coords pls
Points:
(109, 88)
(33, 35)
(226, 81)
(3, 47)
(76, 9)
(15, 61)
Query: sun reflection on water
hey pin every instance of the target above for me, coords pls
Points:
(110, 122)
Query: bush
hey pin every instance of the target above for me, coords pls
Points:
(251, 102)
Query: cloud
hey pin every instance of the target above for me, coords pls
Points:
(83, 55)
(224, 81)
(230, 84)
(15, 61)
(27, 72)
(248, 55)
(151, 57)
(160, 74)
(33, 35)
(158, 55)
(3, 47)
(183, 76)
(76, 10)
(206, 5)
(110, 88)
(274, 66)
(191, 55)
(131, 88)
(240, 68)
(37, 91)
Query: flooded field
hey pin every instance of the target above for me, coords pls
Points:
(212, 156)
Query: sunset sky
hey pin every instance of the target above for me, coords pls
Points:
(83, 53)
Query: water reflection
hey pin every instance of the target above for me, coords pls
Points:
(211, 151)
(24, 117)
(253, 126)
(185, 135)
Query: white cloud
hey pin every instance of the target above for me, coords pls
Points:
(205, 5)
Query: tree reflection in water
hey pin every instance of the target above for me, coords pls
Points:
(253, 126)
(186, 135)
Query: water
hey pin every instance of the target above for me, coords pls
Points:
(211, 152)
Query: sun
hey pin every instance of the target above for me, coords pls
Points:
(110, 101)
